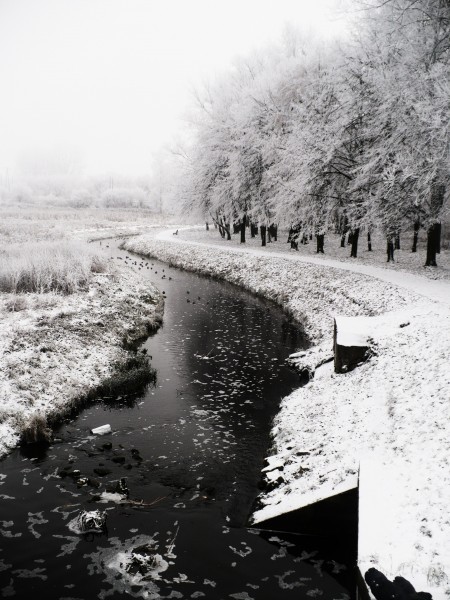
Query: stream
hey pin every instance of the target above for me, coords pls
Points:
(189, 449)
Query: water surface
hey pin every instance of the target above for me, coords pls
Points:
(190, 449)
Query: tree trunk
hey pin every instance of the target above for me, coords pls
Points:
(236, 227)
(253, 230)
(243, 231)
(369, 242)
(221, 230)
(228, 230)
(274, 232)
(343, 236)
(390, 250)
(432, 245)
(438, 238)
(320, 242)
(293, 238)
(350, 238)
(397, 241)
(207, 226)
(355, 236)
(263, 235)
(416, 236)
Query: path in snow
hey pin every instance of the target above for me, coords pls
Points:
(429, 288)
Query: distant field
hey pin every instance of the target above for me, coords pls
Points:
(30, 223)
(44, 249)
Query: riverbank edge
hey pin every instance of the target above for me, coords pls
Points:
(312, 299)
(240, 269)
(60, 352)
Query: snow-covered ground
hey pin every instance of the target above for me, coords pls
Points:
(404, 259)
(386, 421)
(56, 350)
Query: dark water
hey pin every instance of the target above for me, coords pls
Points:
(191, 448)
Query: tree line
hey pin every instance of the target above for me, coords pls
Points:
(347, 137)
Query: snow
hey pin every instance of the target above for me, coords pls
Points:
(273, 463)
(385, 422)
(357, 331)
(59, 349)
(348, 333)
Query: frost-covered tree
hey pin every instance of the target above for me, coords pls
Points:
(406, 168)
(349, 139)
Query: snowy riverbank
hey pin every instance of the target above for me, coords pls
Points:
(389, 417)
(59, 349)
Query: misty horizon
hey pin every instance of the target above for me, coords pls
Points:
(100, 87)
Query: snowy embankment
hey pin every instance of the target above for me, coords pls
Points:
(387, 420)
(57, 350)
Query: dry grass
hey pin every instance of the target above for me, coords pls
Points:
(39, 251)
(45, 266)
(25, 223)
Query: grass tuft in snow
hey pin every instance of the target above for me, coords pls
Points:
(42, 267)
(36, 430)
(131, 374)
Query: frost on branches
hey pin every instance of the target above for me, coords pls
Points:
(316, 137)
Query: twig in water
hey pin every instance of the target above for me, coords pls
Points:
(142, 503)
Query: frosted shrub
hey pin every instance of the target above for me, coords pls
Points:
(132, 197)
(48, 266)
(36, 430)
(16, 303)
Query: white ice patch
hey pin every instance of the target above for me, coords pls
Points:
(8, 534)
(35, 519)
(282, 553)
(4, 566)
(140, 561)
(200, 413)
(112, 497)
(284, 585)
(30, 574)
(70, 546)
(246, 550)
(62, 510)
(182, 578)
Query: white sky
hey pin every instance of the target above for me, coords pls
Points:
(111, 78)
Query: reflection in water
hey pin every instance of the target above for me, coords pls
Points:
(190, 450)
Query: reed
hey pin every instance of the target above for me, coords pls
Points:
(48, 266)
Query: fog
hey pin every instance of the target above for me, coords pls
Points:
(99, 86)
